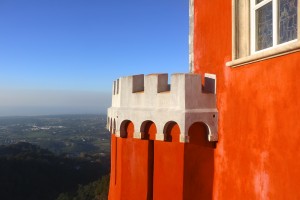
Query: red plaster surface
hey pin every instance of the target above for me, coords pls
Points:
(143, 171)
(256, 156)
(168, 167)
(257, 153)
(198, 164)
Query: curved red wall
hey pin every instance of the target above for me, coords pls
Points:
(259, 107)
(168, 167)
(198, 164)
(146, 168)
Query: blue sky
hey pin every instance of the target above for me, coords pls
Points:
(61, 56)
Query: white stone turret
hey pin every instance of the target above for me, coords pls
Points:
(141, 98)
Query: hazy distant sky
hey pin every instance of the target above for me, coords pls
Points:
(61, 56)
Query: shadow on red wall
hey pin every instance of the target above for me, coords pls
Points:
(198, 164)
(148, 130)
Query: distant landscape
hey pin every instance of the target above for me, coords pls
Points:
(64, 157)
(62, 134)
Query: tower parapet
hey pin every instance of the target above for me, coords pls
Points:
(140, 98)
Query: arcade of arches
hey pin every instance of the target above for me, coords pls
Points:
(150, 169)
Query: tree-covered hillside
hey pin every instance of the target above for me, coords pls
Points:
(28, 172)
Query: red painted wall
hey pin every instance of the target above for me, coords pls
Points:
(136, 161)
(112, 183)
(168, 166)
(131, 167)
(256, 156)
(259, 104)
(198, 164)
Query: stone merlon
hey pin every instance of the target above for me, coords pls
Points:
(140, 98)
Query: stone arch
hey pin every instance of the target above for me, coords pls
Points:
(198, 163)
(198, 134)
(171, 132)
(126, 129)
(148, 130)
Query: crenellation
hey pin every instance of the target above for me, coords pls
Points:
(137, 83)
(177, 96)
(210, 84)
(117, 85)
(157, 83)
(114, 88)
(139, 98)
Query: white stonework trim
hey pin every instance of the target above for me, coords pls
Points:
(252, 26)
(280, 50)
(160, 137)
(275, 24)
(191, 36)
(298, 21)
(213, 76)
(234, 41)
(117, 134)
(184, 104)
(184, 139)
(241, 36)
(240, 28)
(137, 135)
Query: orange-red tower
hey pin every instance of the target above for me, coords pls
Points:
(157, 129)
(227, 130)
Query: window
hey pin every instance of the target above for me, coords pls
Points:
(273, 22)
(264, 29)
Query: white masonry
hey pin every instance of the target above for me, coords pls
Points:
(142, 98)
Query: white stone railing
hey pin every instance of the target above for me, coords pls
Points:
(142, 98)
